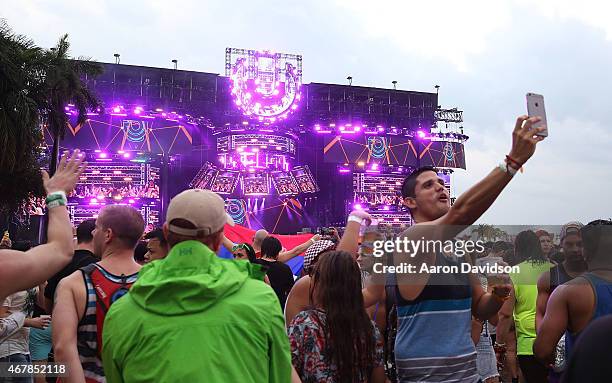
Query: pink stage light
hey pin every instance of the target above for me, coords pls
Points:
(102, 155)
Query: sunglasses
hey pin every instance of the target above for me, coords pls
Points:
(240, 246)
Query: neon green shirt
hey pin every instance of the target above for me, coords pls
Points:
(526, 293)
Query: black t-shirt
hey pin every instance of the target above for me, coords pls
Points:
(79, 259)
(281, 278)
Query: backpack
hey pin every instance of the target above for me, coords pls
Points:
(108, 289)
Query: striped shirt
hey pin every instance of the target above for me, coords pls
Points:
(87, 331)
(433, 342)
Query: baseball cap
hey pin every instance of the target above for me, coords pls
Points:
(570, 228)
(314, 250)
(202, 208)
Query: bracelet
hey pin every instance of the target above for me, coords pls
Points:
(56, 199)
(512, 161)
(354, 218)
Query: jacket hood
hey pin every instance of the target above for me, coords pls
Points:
(190, 279)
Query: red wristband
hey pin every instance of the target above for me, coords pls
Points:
(512, 161)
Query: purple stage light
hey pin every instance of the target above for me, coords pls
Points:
(126, 155)
(344, 170)
(137, 111)
(421, 134)
(357, 206)
(386, 207)
(117, 109)
(131, 201)
(317, 127)
(102, 155)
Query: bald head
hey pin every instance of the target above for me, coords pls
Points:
(258, 238)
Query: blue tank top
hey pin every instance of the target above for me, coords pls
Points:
(433, 342)
(602, 290)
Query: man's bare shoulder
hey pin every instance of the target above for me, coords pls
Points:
(73, 282)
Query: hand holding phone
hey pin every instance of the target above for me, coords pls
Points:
(535, 108)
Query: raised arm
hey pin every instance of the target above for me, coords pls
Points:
(229, 245)
(299, 249)
(350, 238)
(21, 271)
(466, 210)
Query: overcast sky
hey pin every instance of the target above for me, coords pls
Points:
(485, 55)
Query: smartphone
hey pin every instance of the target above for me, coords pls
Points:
(535, 108)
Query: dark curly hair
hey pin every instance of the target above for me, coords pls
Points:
(527, 248)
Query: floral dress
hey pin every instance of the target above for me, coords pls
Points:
(308, 349)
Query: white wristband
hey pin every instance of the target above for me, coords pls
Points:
(59, 192)
(507, 169)
(354, 218)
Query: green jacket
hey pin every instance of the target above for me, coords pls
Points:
(194, 317)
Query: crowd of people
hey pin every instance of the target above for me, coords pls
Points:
(126, 306)
(128, 190)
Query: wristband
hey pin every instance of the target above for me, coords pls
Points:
(507, 169)
(354, 218)
(512, 161)
(56, 199)
(56, 194)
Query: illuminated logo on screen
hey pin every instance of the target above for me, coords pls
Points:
(266, 85)
(377, 146)
(135, 130)
(449, 151)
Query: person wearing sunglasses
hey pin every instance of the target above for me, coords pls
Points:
(244, 251)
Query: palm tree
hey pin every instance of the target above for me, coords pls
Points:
(63, 85)
(35, 86)
(486, 232)
(22, 66)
